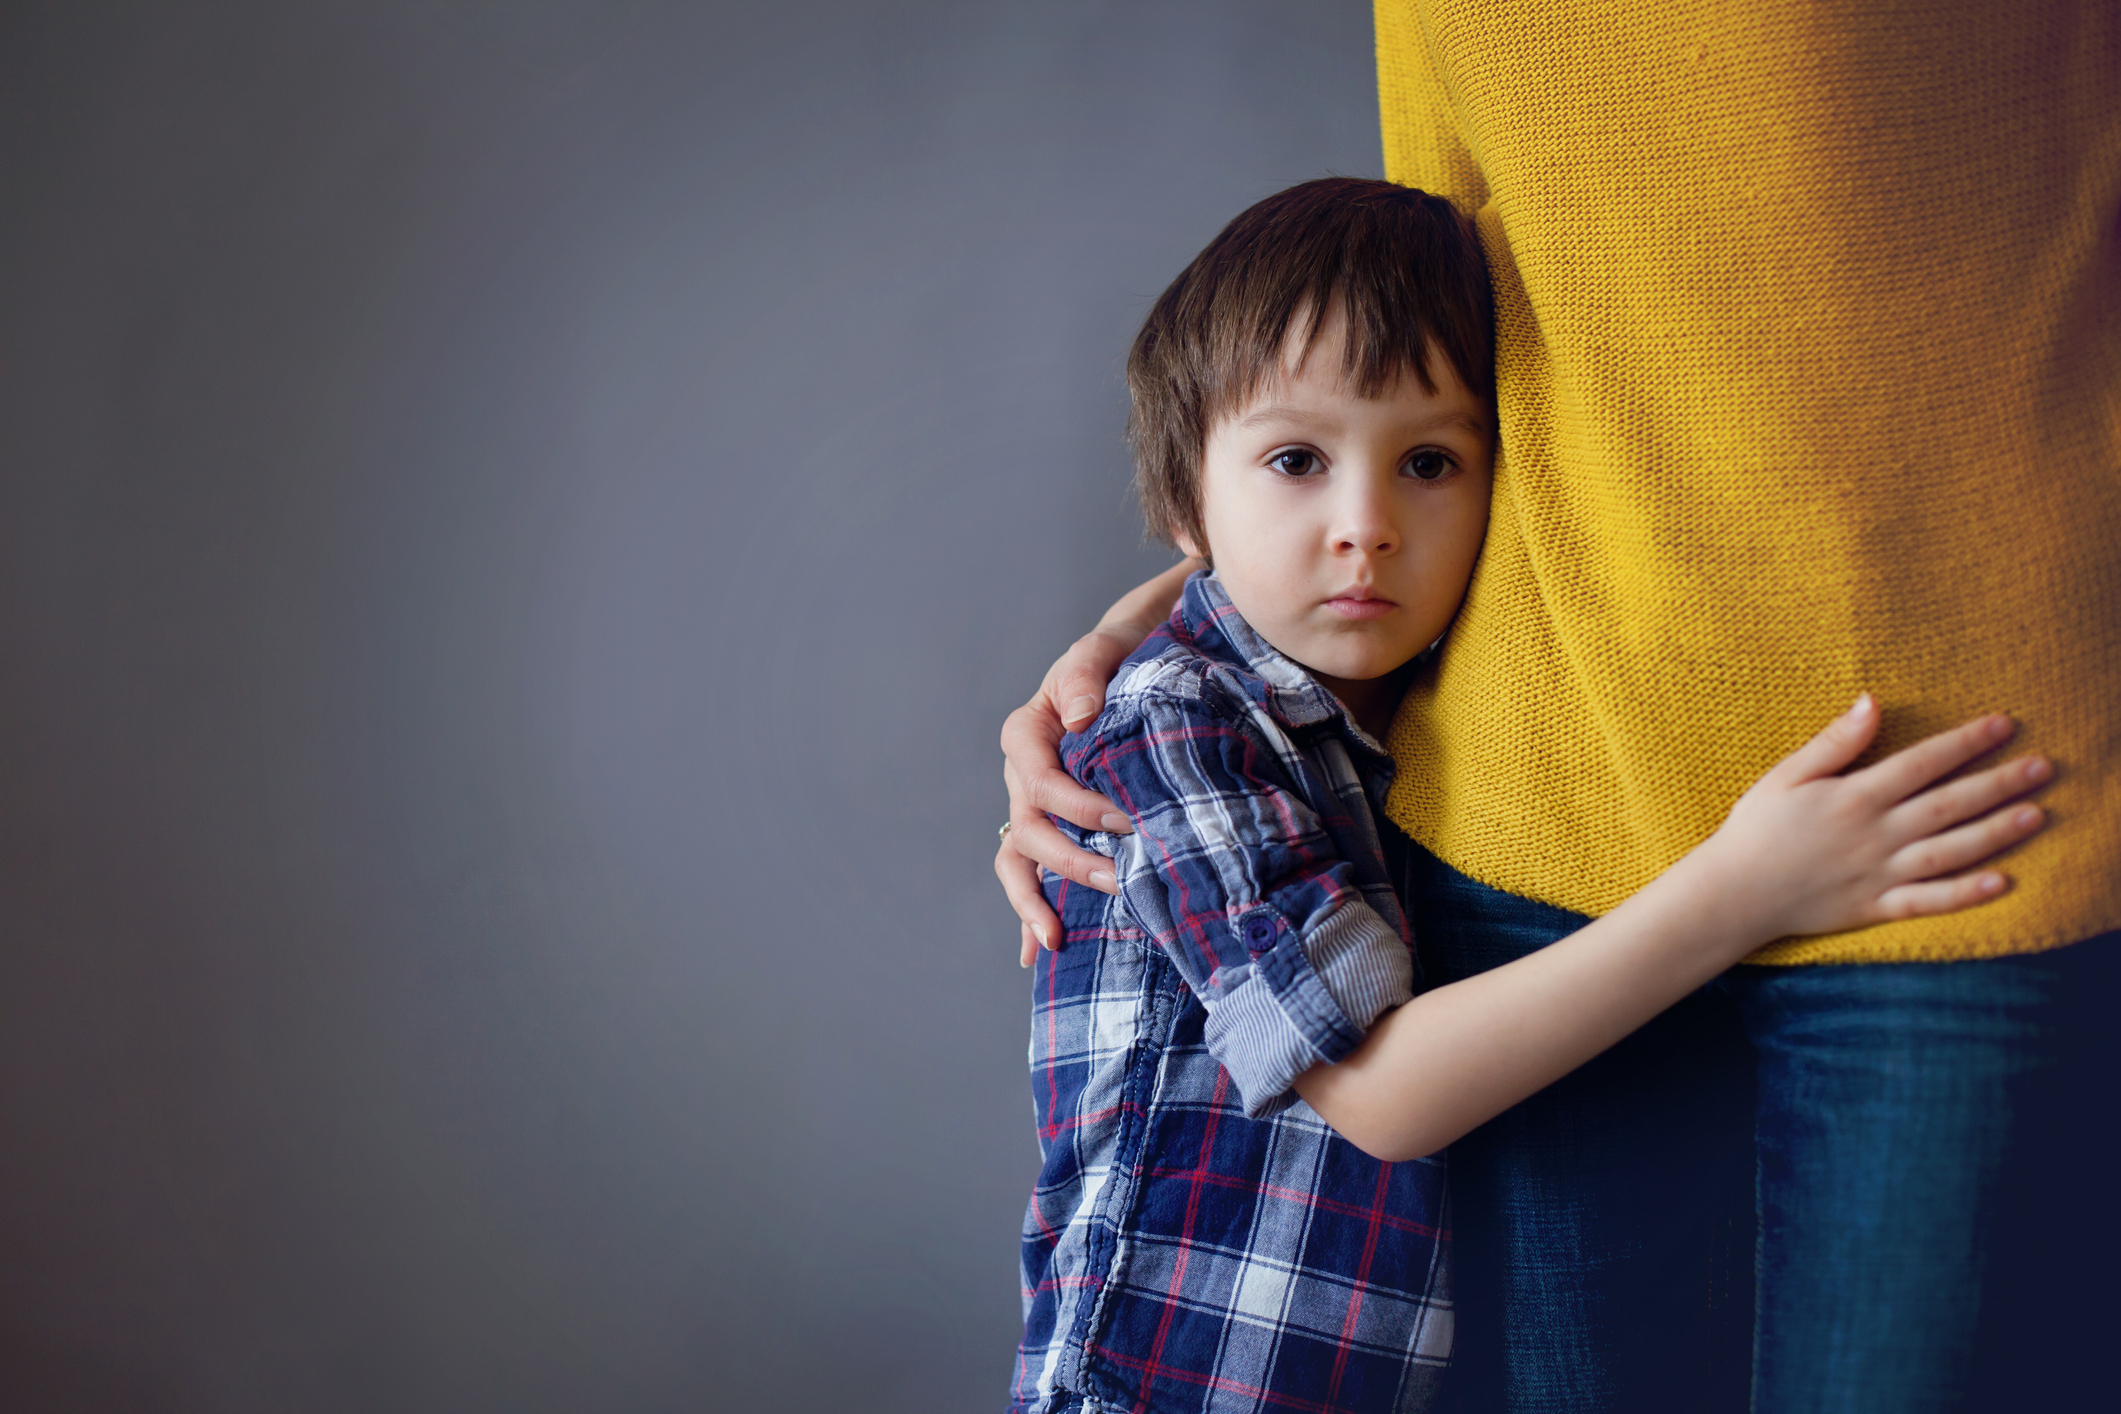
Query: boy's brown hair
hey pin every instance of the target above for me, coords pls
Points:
(1405, 265)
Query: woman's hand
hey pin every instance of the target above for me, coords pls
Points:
(1808, 850)
(1069, 699)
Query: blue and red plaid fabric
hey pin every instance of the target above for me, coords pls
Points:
(1199, 1239)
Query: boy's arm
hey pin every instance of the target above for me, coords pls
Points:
(1804, 851)
(1241, 883)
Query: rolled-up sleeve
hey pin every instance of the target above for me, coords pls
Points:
(1234, 876)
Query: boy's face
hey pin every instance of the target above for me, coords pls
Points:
(1345, 528)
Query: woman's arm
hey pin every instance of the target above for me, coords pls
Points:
(1804, 851)
(1068, 700)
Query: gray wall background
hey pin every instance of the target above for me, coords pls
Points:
(519, 523)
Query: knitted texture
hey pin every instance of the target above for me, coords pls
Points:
(1809, 366)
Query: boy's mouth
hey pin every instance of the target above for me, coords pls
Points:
(1360, 604)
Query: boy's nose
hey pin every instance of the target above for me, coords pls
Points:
(1378, 540)
(1366, 526)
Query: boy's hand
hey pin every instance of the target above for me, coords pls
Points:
(1068, 700)
(1808, 850)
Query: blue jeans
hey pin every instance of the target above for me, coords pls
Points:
(1936, 1182)
(1924, 1144)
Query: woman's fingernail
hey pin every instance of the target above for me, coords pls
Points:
(1078, 708)
(2028, 817)
(1102, 879)
(1116, 823)
(2038, 769)
(1991, 883)
(1863, 704)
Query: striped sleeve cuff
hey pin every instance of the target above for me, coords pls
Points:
(1305, 1001)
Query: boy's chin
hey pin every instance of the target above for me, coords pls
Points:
(1357, 667)
(1358, 671)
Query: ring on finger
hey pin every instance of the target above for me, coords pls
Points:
(1003, 836)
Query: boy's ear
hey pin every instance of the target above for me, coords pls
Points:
(1183, 539)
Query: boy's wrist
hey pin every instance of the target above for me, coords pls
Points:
(1720, 886)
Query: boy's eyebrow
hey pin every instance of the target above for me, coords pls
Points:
(1275, 412)
(1284, 412)
(1459, 419)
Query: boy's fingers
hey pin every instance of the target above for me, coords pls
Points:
(1969, 844)
(1904, 772)
(1942, 807)
(1841, 742)
(1029, 950)
(1941, 895)
(1020, 881)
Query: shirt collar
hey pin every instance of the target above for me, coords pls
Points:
(1281, 685)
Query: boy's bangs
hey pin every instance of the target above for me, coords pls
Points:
(1371, 358)
(1275, 303)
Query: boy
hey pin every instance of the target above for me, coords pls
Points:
(1313, 415)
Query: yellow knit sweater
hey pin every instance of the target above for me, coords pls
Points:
(1809, 366)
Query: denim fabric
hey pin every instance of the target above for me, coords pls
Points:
(1937, 1163)
(1936, 1160)
(1603, 1226)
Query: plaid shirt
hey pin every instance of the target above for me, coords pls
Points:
(1200, 1240)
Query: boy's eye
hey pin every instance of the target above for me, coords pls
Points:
(1294, 462)
(1428, 464)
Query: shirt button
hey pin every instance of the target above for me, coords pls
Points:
(1259, 932)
